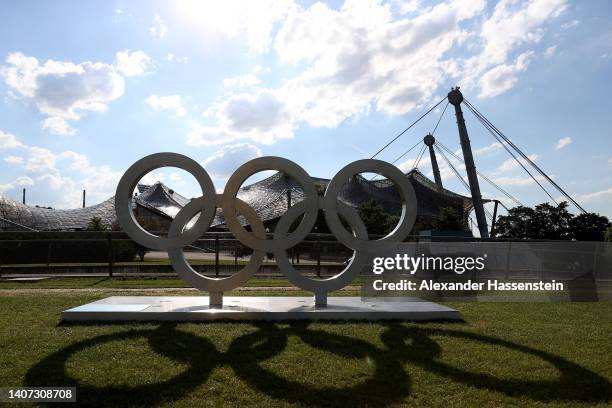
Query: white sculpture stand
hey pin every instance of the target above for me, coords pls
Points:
(271, 308)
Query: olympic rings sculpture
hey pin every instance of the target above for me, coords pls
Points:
(206, 206)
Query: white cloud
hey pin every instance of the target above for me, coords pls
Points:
(248, 80)
(258, 69)
(16, 160)
(222, 163)
(503, 77)
(517, 181)
(173, 58)
(570, 24)
(167, 102)
(78, 161)
(517, 22)
(40, 159)
(563, 142)
(231, 18)
(58, 126)
(241, 81)
(132, 63)
(21, 181)
(158, 29)
(262, 118)
(63, 90)
(406, 6)
(493, 147)
(9, 141)
(364, 57)
(65, 173)
(57, 182)
(550, 51)
(44, 160)
(596, 196)
(356, 57)
(24, 181)
(513, 24)
(176, 178)
(511, 164)
(360, 58)
(6, 187)
(153, 177)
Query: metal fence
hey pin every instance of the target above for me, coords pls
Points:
(114, 253)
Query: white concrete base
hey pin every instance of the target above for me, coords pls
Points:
(196, 308)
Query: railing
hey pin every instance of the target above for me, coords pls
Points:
(112, 252)
(214, 254)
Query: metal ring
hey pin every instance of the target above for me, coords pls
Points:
(127, 184)
(409, 204)
(206, 205)
(184, 269)
(255, 166)
(337, 281)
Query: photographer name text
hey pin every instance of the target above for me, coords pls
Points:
(490, 285)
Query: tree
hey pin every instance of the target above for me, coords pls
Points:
(589, 227)
(376, 219)
(545, 221)
(449, 219)
(552, 222)
(96, 224)
(518, 223)
(148, 224)
(608, 234)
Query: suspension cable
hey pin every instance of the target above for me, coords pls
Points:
(488, 213)
(535, 166)
(439, 119)
(419, 142)
(408, 128)
(502, 204)
(419, 156)
(465, 184)
(407, 151)
(500, 141)
(487, 179)
(402, 155)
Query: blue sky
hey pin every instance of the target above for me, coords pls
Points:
(90, 87)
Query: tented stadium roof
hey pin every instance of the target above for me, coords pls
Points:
(16, 216)
(268, 197)
(161, 199)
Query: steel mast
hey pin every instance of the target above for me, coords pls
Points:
(455, 97)
(429, 141)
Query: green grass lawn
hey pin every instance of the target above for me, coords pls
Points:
(132, 283)
(124, 283)
(516, 354)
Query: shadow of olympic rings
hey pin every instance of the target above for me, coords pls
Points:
(575, 383)
(388, 384)
(165, 340)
